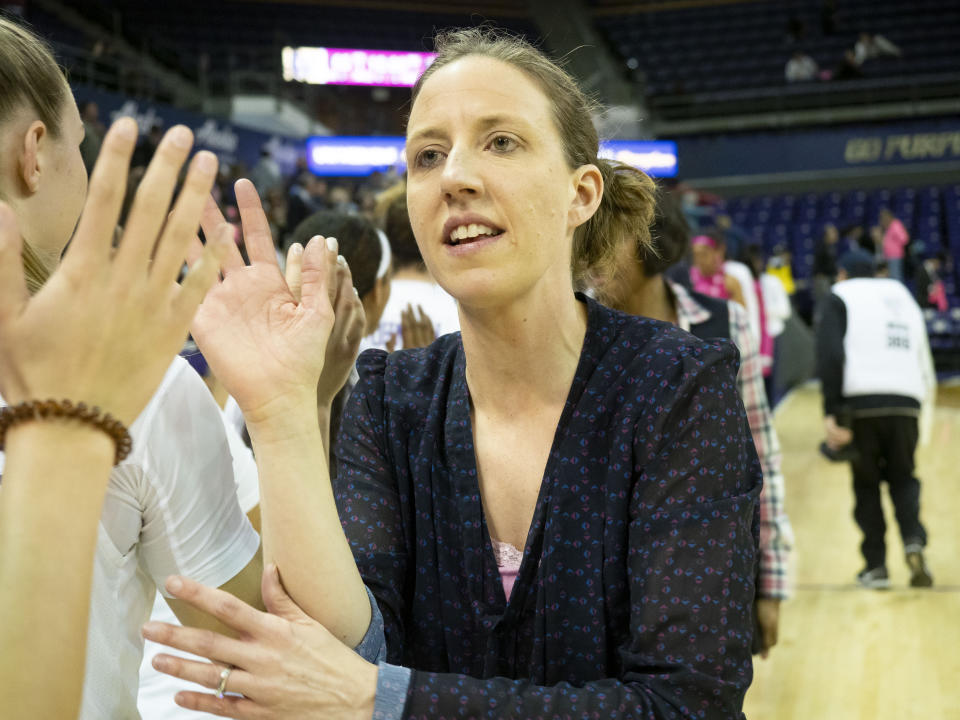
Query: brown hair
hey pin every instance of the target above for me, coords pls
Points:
(30, 77)
(629, 194)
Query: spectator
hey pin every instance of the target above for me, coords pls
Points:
(930, 291)
(895, 240)
(639, 286)
(707, 274)
(801, 68)
(307, 195)
(871, 46)
(265, 174)
(825, 262)
(875, 368)
(413, 287)
(735, 237)
(848, 69)
(93, 131)
(147, 146)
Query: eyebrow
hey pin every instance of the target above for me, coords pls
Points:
(484, 123)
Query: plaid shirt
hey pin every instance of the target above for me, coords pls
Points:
(776, 534)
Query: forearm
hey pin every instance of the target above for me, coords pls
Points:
(50, 503)
(302, 533)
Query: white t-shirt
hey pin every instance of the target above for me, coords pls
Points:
(155, 699)
(435, 301)
(170, 508)
(741, 273)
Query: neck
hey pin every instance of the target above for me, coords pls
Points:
(651, 298)
(522, 357)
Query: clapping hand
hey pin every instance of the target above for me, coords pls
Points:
(105, 326)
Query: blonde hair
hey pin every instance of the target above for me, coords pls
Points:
(629, 195)
(30, 77)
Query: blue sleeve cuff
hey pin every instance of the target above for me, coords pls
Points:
(373, 647)
(393, 682)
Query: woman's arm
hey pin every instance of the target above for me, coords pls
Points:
(84, 337)
(268, 348)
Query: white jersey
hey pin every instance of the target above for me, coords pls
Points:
(741, 273)
(886, 350)
(435, 301)
(170, 508)
(155, 698)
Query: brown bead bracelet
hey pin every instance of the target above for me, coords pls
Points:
(42, 409)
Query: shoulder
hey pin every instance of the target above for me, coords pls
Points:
(405, 375)
(637, 349)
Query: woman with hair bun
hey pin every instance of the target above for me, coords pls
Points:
(554, 511)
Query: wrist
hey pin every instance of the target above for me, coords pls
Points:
(286, 420)
(62, 436)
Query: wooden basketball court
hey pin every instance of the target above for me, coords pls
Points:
(847, 653)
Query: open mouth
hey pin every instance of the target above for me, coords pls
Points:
(465, 234)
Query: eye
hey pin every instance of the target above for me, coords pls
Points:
(503, 143)
(428, 158)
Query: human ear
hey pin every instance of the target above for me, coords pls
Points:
(28, 156)
(587, 185)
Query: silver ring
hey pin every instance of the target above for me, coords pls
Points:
(224, 676)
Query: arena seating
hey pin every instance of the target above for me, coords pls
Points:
(930, 214)
(738, 46)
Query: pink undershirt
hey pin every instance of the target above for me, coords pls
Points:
(508, 563)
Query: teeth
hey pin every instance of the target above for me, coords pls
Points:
(463, 232)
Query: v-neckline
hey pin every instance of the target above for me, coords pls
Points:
(476, 531)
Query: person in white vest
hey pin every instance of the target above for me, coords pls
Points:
(875, 366)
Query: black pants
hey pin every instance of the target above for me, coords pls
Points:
(885, 446)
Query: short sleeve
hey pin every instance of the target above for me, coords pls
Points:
(368, 498)
(192, 523)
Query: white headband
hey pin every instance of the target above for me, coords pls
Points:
(385, 255)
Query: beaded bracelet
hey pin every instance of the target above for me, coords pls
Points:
(42, 409)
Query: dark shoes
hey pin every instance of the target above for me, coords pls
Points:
(920, 576)
(874, 578)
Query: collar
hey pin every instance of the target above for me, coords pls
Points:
(689, 311)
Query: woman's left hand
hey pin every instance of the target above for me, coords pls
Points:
(285, 664)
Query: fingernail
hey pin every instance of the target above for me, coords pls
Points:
(181, 137)
(296, 249)
(356, 292)
(332, 244)
(150, 628)
(206, 162)
(174, 584)
(341, 260)
(159, 663)
(126, 128)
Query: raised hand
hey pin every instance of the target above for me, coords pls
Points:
(284, 663)
(263, 343)
(105, 326)
(416, 327)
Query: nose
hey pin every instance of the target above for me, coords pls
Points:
(460, 178)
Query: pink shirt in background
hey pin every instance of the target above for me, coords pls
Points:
(894, 240)
(713, 285)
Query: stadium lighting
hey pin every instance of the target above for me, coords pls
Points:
(359, 156)
(345, 66)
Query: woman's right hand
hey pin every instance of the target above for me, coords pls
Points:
(105, 326)
(266, 346)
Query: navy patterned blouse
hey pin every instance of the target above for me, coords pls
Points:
(635, 592)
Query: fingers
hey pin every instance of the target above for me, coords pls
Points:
(204, 673)
(275, 596)
(232, 612)
(205, 643)
(204, 273)
(211, 219)
(152, 201)
(183, 222)
(13, 286)
(333, 269)
(93, 238)
(256, 228)
(293, 272)
(314, 273)
(229, 707)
